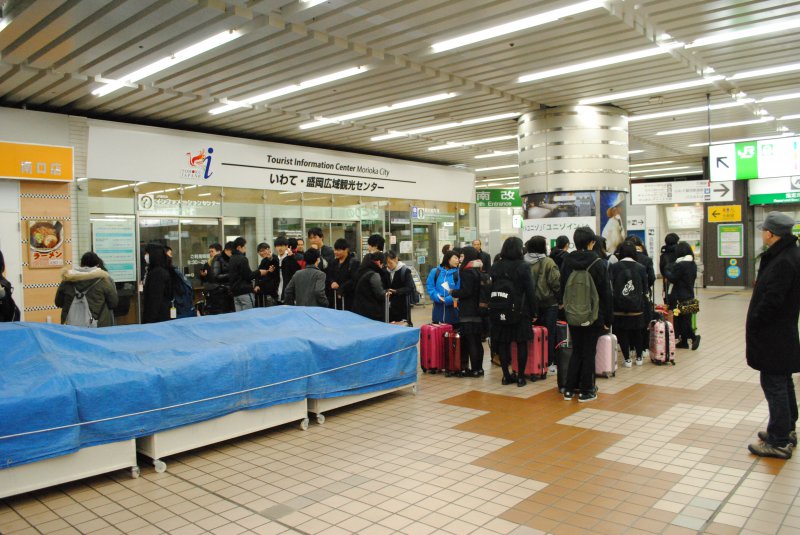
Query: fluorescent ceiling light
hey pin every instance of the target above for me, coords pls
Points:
(115, 188)
(496, 167)
(766, 72)
(597, 63)
(165, 63)
(651, 163)
(713, 126)
(515, 26)
(459, 144)
(776, 98)
(496, 153)
(82, 179)
(788, 117)
(500, 179)
(687, 111)
(286, 90)
(435, 128)
(661, 169)
(639, 151)
(3, 23)
(307, 4)
(650, 90)
(204, 195)
(692, 172)
(759, 29)
(322, 121)
(741, 140)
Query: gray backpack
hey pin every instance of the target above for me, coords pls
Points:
(581, 300)
(79, 314)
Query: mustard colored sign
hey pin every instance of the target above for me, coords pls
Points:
(729, 213)
(36, 162)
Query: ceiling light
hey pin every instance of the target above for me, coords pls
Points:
(687, 111)
(639, 151)
(741, 140)
(500, 179)
(776, 98)
(766, 72)
(692, 172)
(661, 169)
(459, 144)
(515, 26)
(322, 121)
(713, 126)
(204, 195)
(435, 128)
(650, 90)
(760, 29)
(116, 188)
(3, 23)
(789, 117)
(165, 63)
(307, 4)
(496, 167)
(651, 163)
(286, 90)
(597, 63)
(496, 153)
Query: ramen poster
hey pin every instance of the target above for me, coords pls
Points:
(46, 239)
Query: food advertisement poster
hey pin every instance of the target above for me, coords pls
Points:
(46, 239)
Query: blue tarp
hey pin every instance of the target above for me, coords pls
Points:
(135, 380)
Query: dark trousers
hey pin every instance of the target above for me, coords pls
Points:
(683, 327)
(580, 374)
(779, 392)
(471, 351)
(630, 339)
(547, 319)
(504, 350)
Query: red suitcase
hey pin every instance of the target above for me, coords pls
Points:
(432, 346)
(536, 367)
(452, 364)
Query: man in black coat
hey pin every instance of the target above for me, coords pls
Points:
(558, 252)
(268, 277)
(342, 276)
(483, 256)
(771, 335)
(241, 277)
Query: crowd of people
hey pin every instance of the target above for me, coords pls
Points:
(623, 281)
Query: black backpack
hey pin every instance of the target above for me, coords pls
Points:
(505, 302)
(628, 295)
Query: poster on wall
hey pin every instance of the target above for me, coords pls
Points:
(554, 214)
(46, 239)
(115, 243)
(612, 218)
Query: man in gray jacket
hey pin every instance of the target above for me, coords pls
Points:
(307, 287)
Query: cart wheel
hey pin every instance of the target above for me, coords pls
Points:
(320, 419)
(160, 466)
(304, 424)
(414, 389)
(135, 472)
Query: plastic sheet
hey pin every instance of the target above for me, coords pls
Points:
(132, 381)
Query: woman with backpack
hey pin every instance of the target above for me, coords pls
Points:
(441, 281)
(87, 289)
(157, 295)
(471, 322)
(8, 309)
(681, 275)
(547, 287)
(629, 287)
(511, 308)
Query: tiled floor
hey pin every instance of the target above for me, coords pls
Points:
(661, 451)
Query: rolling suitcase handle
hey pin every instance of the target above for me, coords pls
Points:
(388, 296)
(336, 301)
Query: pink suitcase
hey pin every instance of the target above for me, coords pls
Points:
(605, 357)
(433, 349)
(662, 342)
(536, 367)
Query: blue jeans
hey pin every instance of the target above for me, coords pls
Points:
(779, 392)
(547, 318)
(244, 302)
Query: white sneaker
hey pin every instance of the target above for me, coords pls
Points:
(552, 369)
(628, 363)
(646, 353)
(639, 361)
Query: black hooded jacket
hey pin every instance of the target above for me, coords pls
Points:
(369, 295)
(157, 294)
(558, 256)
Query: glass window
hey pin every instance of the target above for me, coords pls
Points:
(284, 214)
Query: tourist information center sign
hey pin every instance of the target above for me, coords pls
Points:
(767, 158)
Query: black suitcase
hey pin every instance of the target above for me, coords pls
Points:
(563, 356)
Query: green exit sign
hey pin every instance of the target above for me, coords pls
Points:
(498, 198)
(747, 160)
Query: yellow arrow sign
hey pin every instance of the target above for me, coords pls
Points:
(729, 213)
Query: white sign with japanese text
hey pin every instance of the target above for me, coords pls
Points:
(135, 153)
(553, 227)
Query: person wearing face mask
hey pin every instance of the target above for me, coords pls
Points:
(441, 281)
(157, 292)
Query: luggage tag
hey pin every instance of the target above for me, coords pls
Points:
(173, 312)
